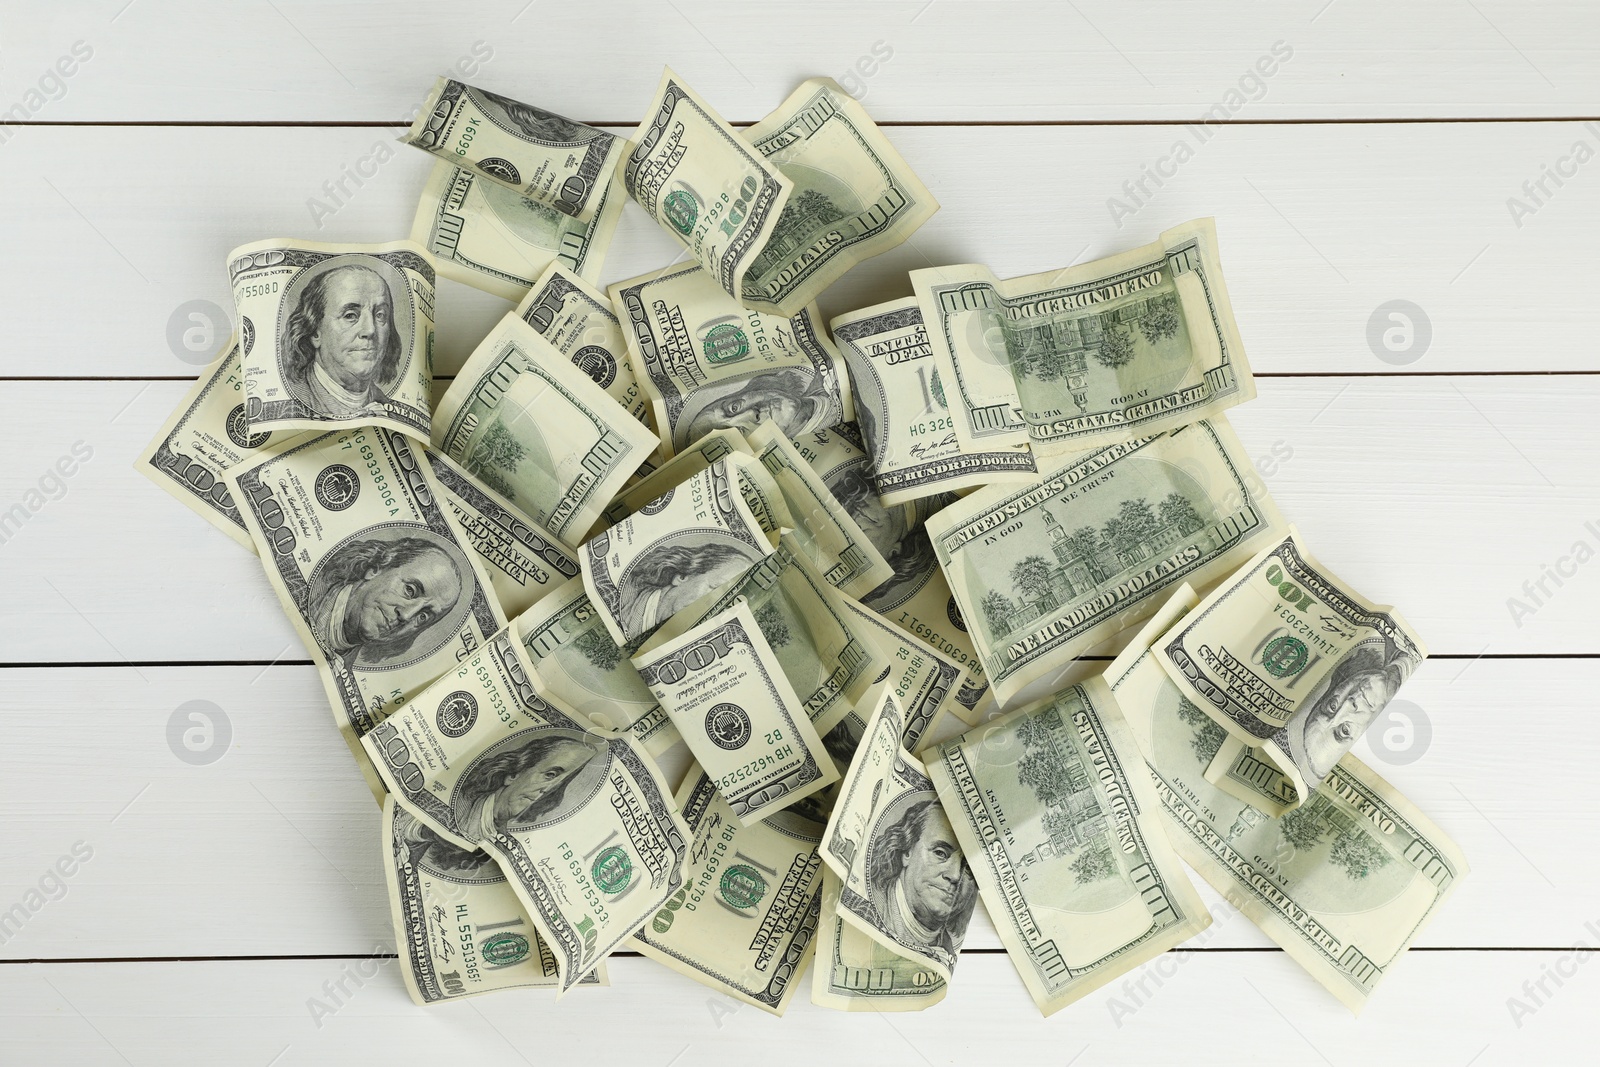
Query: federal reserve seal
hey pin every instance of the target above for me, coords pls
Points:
(742, 886)
(1284, 655)
(681, 209)
(597, 363)
(247, 335)
(238, 430)
(500, 169)
(612, 870)
(502, 950)
(337, 487)
(457, 712)
(658, 505)
(728, 726)
(725, 344)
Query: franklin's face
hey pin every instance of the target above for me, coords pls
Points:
(356, 317)
(932, 872)
(559, 763)
(884, 527)
(1329, 732)
(746, 410)
(404, 598)
(686, 590)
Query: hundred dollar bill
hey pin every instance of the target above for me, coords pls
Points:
(523, 561)
(916, 597)
(487, 236)
(1087, 355)
(745, 919)
(855, 972)
(903, 879)
(687, 463)
(1344, 883)
(706, 362)
(206, 435)
(902, 413)
(723, 688)
(824, 650)
(1293, 664)
(544, 157)
(375, 575)
(334, 334)
(922, 682)
(854, 196)
(458, 925)
(681, 546)
(1058, 818)
(577, 662)
(704, 184)
(579, 819)
(823, 528)
(578, 321)
(1045, 571)
(538, 431)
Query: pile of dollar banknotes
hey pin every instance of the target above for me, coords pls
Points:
(685, 511)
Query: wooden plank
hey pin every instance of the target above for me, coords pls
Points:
(271, 847)
(1441, 495)
(319, 61)
(1320, 225)
(1438, 1008)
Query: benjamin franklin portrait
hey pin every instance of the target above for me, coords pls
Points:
(341, 348)
(526, 783)
(372, 597)
(1358, 687)
(792, 397)
(920, 884)
(671, 575)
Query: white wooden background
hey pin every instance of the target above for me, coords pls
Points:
(1376, 164)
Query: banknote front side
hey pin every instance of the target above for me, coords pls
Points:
(538, 431)
(1046, 570)
(1293, 664)
(578, 321)
(902, 411)
(707, 362)
(857, 972)
(704, 184)
(745, 920)
(579, 820)
(487, 236)
(549, 159)
(1058, 818)
(458, 924)
(335, 334)
(1076, 358)
(578, 663)
(687, 543)
(854, 196)
(1344, 883)
(206, 435)
(724, 689)
(523, 560)
(823, 649)
(373, 572)
(903, 879)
